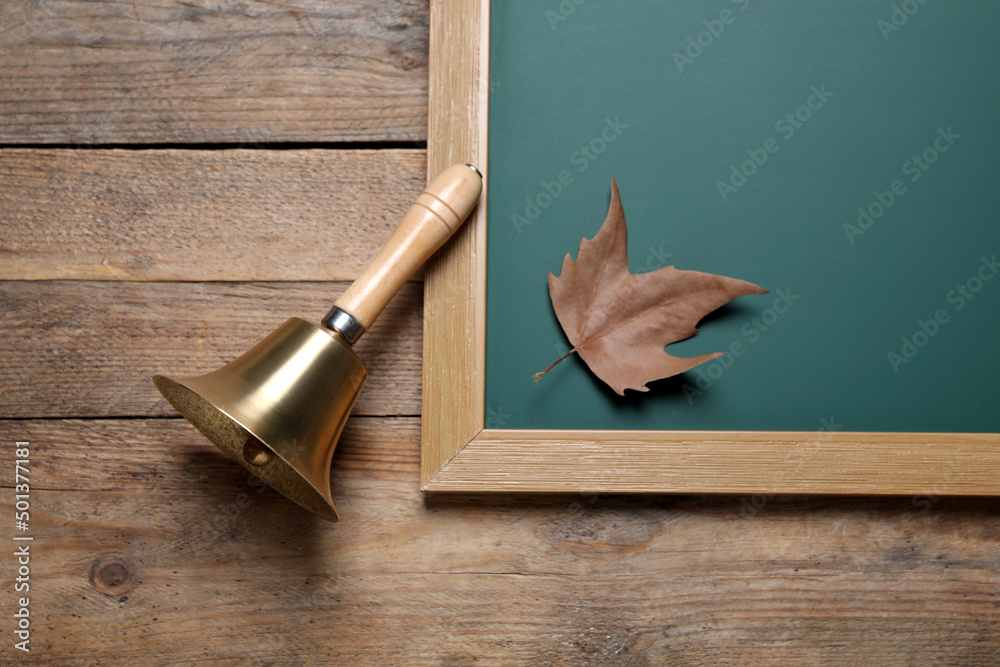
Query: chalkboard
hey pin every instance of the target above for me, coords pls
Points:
(842, 155)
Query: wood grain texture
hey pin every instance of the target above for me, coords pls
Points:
(529, 461)
(215, 568)
(205, 71)
(90, 349)
(454, 285)
(200, 215)
(151, 548)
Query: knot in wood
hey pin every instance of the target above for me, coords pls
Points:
(113, 576)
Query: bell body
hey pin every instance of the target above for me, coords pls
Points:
(279, 409)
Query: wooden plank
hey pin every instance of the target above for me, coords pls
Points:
(534, 461)
(169, 456)
(89, 349)
(151, 548)
(177, 71)
(454, 289)
(200, 215)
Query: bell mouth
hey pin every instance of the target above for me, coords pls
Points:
(246, 448)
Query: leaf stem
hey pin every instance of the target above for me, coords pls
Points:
(539, 375)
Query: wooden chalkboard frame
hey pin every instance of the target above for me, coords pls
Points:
(460, 455)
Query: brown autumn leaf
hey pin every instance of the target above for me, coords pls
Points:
(619, 322)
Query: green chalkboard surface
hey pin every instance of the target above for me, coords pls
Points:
(843, 155)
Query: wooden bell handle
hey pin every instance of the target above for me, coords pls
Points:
(437, 214)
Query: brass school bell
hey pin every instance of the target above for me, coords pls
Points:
(280, 408)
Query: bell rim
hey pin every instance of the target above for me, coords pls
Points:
(170, 387)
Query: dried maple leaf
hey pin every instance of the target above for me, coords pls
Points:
(619, 322)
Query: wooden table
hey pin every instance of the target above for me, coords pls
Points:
(177, 179)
